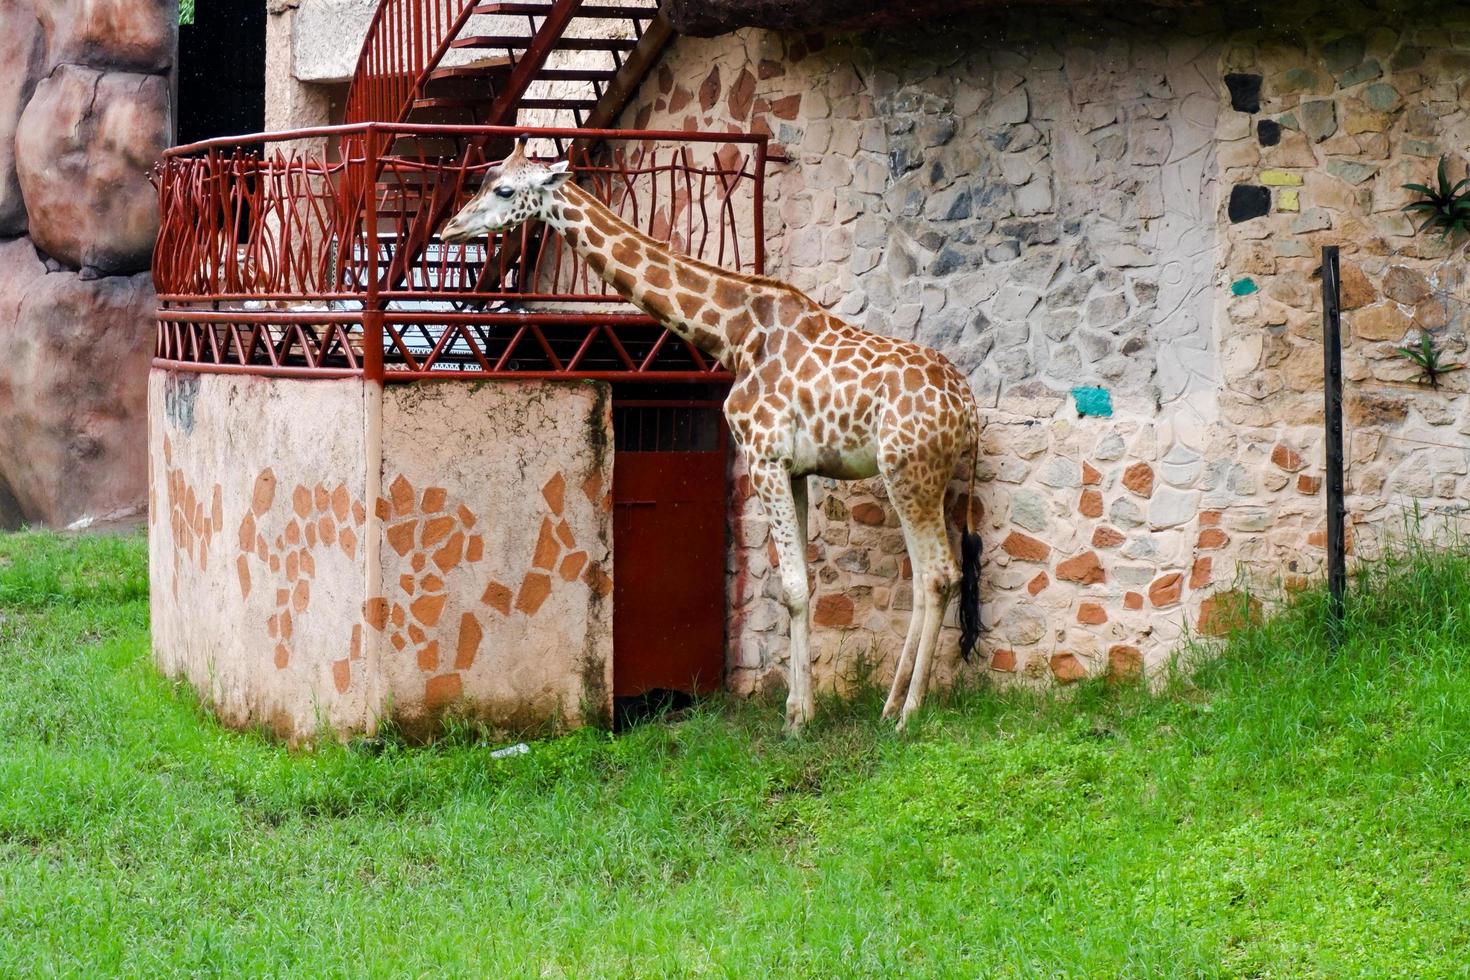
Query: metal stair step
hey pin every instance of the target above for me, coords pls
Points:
(585, 11)
(576, 104)
(519, 42)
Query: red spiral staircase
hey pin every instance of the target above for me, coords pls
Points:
(315, 252)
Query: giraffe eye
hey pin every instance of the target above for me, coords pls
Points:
(505, 192)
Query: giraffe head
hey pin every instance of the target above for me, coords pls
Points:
(515, 190)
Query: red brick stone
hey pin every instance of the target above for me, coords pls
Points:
(1286, 458)
(1004, 660)
(833, 609)
(468, 643)
(341, 675)
(497, 597)
(1091, 504)
(571, 566)
(1084, 569)
(428, 608)
(428, 656)
(448, 556)
(1308, 484)
(1140, 479)
(1133, 600)
(1166, 589)
(1199, 575)
(742, 93)
(1090, 475)
(535, 587)
(868, 513)
(1125, 663)
(786, 108)
(554, 493)
(564, 534)
(1091, 614)
(1318, 539)
(1209, 518)
(402, 493)
(436, 529)
(442, 691)
(1225, 611)
(547, 548)
(301, 501)
(1025, 548)
(1067, 669)
(264, 491)
(1211, 538)
(709, 89)
(1038, 584)
(1107, 537)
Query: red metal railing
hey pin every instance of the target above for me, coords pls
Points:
(278, 263)
(404, 41)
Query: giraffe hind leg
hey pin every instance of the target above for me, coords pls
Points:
(939, 577)
(904, 670)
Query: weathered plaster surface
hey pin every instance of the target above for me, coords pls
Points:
(520, 537)
(245, 606)
(328, 576)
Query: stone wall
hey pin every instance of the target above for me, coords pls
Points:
(349, 556)
(1050, 199)
(85, 110)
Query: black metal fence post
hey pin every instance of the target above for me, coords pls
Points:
(1332, 419)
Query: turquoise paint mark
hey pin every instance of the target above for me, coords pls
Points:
(1243, 287)
(1093, 401)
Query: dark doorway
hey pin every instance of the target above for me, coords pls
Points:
(669, 515)
(222, 70)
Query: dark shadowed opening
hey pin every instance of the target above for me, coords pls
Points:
(222, 70)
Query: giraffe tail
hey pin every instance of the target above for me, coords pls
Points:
(970, 553)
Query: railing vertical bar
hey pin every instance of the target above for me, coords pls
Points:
(372, 316)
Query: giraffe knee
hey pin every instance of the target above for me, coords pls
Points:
(942, 579)
(796, 593)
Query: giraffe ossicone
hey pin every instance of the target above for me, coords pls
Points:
(812, 395)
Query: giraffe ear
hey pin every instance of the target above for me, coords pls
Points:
(556, 175)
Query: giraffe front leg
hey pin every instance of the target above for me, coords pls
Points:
(784, 498)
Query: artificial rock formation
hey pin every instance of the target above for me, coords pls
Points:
(84, 146)
(130, 35)
(20, 65)
(71, 402)
(85, 111)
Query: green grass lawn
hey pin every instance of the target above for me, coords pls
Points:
(1294, 812)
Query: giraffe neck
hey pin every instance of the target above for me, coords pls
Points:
(703, 304)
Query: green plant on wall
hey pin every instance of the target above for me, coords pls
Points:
(1445, 208)
(186, 11)
(1430, 359)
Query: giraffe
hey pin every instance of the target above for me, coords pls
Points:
(812, 395)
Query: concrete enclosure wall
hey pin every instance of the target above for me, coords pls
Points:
(324, 554)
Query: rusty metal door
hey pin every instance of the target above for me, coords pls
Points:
(669, 506)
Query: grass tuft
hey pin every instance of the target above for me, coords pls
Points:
(1292, 808)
